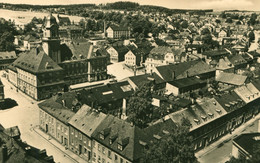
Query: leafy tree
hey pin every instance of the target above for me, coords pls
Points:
(229, 20)
(174, 147)
(251, 36)
(218, 21)
(140, 106)
(7, 32)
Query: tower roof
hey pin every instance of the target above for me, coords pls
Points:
(50, 21)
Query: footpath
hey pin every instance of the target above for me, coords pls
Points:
(67, 153)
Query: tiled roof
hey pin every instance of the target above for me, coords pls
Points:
(121, 50)
(36, 61)
(247, 141)
(247, 92)
(119, 28)
(231, 78)
(199, 114)
(236, 59)
(186, 82)
(87, 120)
(139, 80)
(107, 93)
(224, 64)
(57, 109)
(121, 132)
(161, 50)
(230, 101)
(180, 70)
(8, 55)
(212, 53)
(19, 151)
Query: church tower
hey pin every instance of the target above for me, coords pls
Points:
(51, 39)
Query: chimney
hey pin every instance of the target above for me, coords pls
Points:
(3, 153)
(173, 75)
(123, 116)
(63, 103)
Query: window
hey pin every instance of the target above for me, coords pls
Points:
(120, 147)
(99, 148)
(109, 154)
(89, 143)
(94, 144)
(103, 160)
(116, 157)
(103, 150)
(121, 160)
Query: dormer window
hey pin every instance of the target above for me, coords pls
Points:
(112, 139)
(101, 136)
(104, 133)
(122, 143)
(120, 147)
(204, 118)
(219, 111)
(210, 114)
(196, 120)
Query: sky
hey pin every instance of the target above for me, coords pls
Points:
(173, 4)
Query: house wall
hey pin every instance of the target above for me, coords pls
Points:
(110, 33)
(27, 82)
(113, 55)
(80, 144)
(130, 58)
(47, 123)
(12, 77)
(169, 58)
(172, 89)
(103, 154)
(62, 135)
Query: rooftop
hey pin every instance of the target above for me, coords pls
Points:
(231, 78)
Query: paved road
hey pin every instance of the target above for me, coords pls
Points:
(120, 71)
(222, 153)
(25, 116)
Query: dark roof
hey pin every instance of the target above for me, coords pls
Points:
(248, 141)
(107, 93)
(181, 70)
(199, 114)
(236, 59)
(256, 83)
(87, 120)
(30, 38)
(139, 80)
(123, 133)
(121, 50)
(19, 151)
(231, 78)
(119, 28)
(56, 109)
(36, 61)
(186, 82)
(230, 101)
(212, 53)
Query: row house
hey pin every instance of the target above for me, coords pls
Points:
(82, 125)
(215, 117)
(94, 136)
(53, 120)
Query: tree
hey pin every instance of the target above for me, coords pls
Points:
(174, 147)
(229, 20)
(139, 108)
(251, 36)
(218, 21)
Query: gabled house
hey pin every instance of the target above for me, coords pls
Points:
(134, 57)
(117, 32)
(117, 53)
(185, 70)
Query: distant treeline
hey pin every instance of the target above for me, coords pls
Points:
(129, 6)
